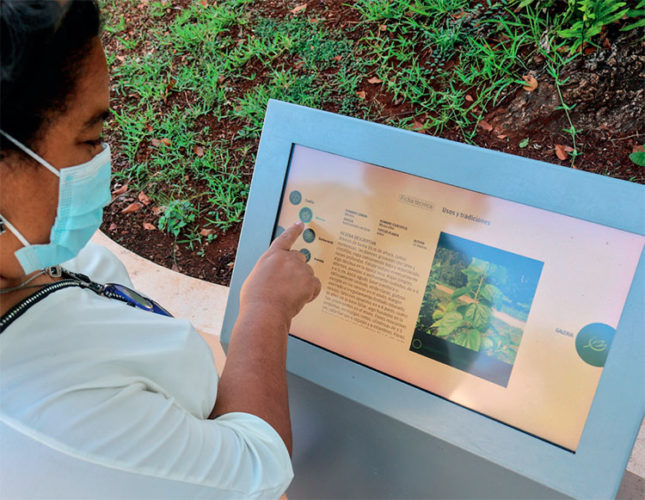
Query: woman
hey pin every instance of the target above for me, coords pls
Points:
(100, 383)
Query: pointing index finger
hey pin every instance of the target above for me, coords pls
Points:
(286, 240)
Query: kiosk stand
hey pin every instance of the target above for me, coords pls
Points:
(479, 329)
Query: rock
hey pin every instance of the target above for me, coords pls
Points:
(606, 88)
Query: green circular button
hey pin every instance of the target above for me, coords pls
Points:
(593, 343)
(309, 235)
(306, 215)
(306, 253)
(295, 197)
(278, 231)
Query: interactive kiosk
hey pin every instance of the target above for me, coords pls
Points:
(480, 330)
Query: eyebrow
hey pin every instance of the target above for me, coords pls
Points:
(102, 115)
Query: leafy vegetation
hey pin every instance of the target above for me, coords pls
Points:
(466, 301)
(192, 84)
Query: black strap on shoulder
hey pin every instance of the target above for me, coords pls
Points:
(21, 307)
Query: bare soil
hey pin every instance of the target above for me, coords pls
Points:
(606, 85)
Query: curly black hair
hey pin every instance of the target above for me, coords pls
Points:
(43, 44)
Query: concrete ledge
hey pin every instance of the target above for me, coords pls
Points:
(200, 302)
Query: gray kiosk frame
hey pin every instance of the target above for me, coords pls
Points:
(360, 433)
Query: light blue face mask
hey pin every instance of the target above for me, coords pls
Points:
(83, 192)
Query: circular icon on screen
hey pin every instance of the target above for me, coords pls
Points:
(593, 343)
(309, 235)
(306, 215)
(306, 253)
(278, 231)
(295, 197)
(416, 344)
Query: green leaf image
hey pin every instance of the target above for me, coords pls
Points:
(478, 315)
(437, 315)
(449, 323)
(490, 293)
(488, 343)
(459, 292)
(474, 339)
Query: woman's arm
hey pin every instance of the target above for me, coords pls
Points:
(254, 377)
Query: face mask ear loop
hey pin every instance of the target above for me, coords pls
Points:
(15, 232)
(28, 151)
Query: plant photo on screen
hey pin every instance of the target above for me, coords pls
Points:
(475, 306)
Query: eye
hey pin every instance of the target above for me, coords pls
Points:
(95, 142)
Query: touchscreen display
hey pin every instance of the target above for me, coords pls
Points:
(502, 308)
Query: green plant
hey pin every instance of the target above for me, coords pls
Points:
(543, 29)
(589, 19)
(177, 215)
(638, 157)
(579, 21)
(466, 324)
(637, 13)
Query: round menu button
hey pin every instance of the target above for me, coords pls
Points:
(593, 343)
(306, 214)
(306, 253)
(295, 197)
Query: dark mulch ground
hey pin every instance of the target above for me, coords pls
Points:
(606, 86)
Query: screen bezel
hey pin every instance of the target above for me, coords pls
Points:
(615, 416)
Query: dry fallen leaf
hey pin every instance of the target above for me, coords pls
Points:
(166, 141)
(418, 126)
(382, 27)
(560, 152)
(206, 232)
(149, 127)
(374, 80)
(299, 8)
(155, 142)
(487, 127)
(158, 210)
(143, 198)
(199, 151)
(120, 190)
(469, 98)
(112, 227)
(149, 227)
(361, 94)
(531, 83)
(132, 207)
(204, 3)
(638, 148)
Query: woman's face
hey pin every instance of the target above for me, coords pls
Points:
(29, 192)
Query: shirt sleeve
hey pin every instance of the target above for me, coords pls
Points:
(132, 390)
(238, 455)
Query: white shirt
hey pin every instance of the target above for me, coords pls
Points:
(126, 390)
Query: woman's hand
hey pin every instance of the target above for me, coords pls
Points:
(281, 282)
(254, 378)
